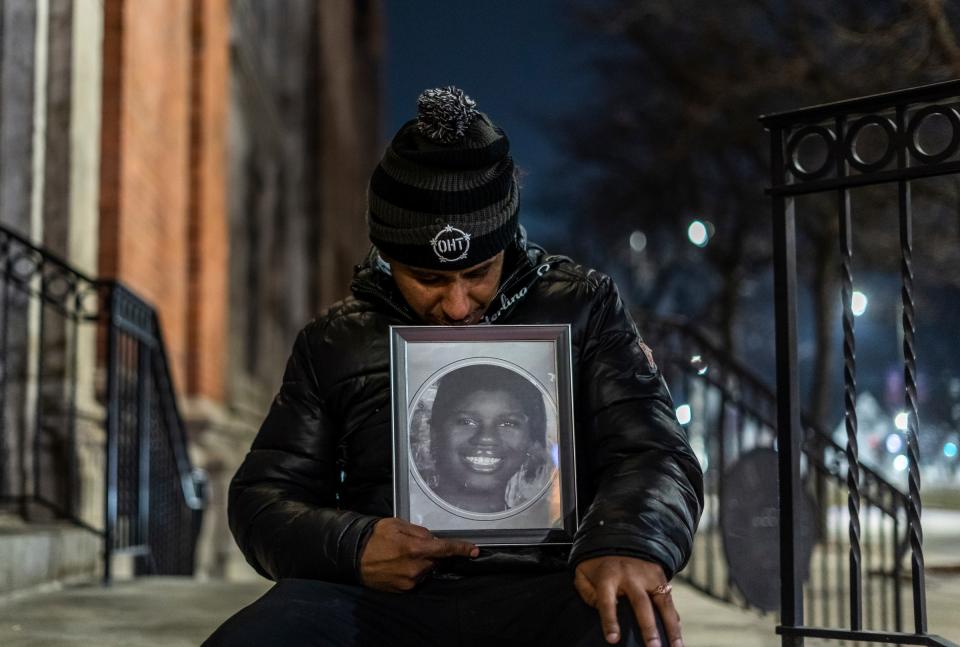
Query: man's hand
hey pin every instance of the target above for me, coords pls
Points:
(601, 580)
(399, 555)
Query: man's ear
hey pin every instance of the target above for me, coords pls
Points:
(520, 240)
(383, 264)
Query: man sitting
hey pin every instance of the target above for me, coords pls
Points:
(311, 506)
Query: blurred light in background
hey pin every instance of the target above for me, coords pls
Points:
(900, 463)
(697, 233)
(902, 421)
(950, 449)
(638, 241)
(858, 303)
(699, 365)
(894, 443)
(683, 414)
(700, 449)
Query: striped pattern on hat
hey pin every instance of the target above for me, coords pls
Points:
(445, 195)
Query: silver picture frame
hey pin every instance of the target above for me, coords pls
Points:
(483, 432)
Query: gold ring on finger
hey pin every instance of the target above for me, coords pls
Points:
(663, 589)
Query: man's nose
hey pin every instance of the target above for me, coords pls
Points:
(456, 303)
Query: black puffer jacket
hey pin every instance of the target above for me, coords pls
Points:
(319, 473)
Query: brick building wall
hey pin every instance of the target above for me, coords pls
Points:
(146, 159)
(163, 185)
(213, 156)
(208, 233)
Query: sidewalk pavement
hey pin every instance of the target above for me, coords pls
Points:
(181, 612)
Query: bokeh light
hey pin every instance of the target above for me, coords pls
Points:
(858, 303)
(697, 233)
(900, 463)
(699, 365)
(902, 421)
(894, 443)
(950, 449)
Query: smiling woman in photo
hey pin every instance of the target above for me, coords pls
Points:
(488, 439)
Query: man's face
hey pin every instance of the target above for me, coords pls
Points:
(449, 298)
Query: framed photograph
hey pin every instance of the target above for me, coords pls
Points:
(483, 432)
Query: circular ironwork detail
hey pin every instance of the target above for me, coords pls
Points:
(88, 300)
(793, 150)
(58, 286)
(25, 264)
(917, 120)
(851, 140)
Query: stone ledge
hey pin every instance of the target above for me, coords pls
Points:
(32, 555)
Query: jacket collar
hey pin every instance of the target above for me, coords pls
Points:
(525, 263)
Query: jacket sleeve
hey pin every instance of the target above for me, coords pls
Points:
(647, 481)
(282, 504)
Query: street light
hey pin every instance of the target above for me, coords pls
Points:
(683, 414)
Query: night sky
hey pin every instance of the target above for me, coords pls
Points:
(525, 64)
(517, 59)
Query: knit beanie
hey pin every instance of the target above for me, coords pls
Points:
(445, 195)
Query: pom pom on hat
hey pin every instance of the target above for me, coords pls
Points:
(443, 114)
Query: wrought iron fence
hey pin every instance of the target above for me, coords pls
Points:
(89, 412)
(731, 417)
(844, 132)
(44, 306)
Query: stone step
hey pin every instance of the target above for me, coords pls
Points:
(32, 555)
(128, 614)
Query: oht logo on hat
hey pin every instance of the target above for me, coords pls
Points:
(451, 244)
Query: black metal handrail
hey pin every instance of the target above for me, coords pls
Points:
(736, 411)
(160, 530)
(152, 496)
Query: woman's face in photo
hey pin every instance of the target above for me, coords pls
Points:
(484, 442)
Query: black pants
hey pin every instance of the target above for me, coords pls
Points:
(478, 610)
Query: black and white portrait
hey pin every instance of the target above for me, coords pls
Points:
(483, 432)
(481, 440)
